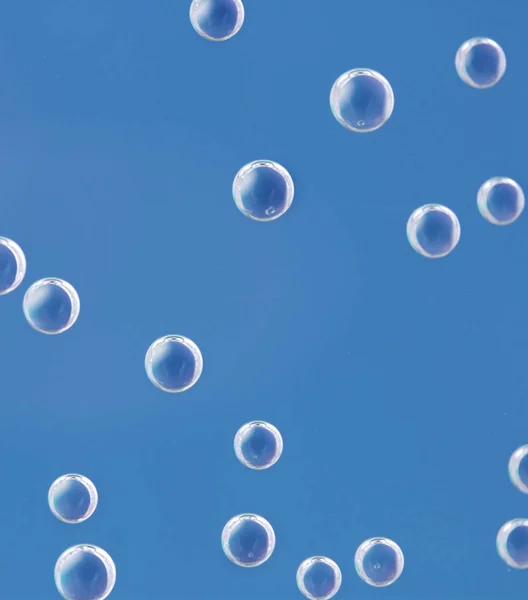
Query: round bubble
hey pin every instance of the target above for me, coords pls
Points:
(72, 498)
(433, 230)
(362, 100)
(319, 578)
(85, 572)
(248, 540)
(217, 20)
(258, 445)
(512, 543)
(174, 363)
(480, 62)
(51, 306)
(12, 265)
(379, 561)
(500, 200)
(518, 469)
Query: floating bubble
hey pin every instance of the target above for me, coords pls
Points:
(248, 540)
(258, 445)
(12, 265)
(174, 363)
(319, 578)
(379, 561)
(518, 469)
(72, 498)
(85, 572)
(480, 62)
(362, 100)
(512, 543)
(263, 190)
(51, 306)
(500, 200)
(217, 20)
(433, 230)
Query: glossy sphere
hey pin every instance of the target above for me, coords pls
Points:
(51, 306)
(248, 540)
(217, 20)
(379, 561)
(433, 230)
(319, 578)
(85, 572)
(480, 62)
(362, 100)
(518, 469)
(500, 200)
(512, 543)
(258, 445)
(72, 498)
(12, 265)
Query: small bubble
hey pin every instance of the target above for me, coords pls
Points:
(480, 62)
(319, 578)
(500, 200)
(258, 445)
(51, 306)
(379, 561)
(72, 498)
(248, 540)
(433, 230)
(512, 543)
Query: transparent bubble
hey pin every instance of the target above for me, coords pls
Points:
(51, 306)
(217, 20)
(12, 265)
(379, 561)
(263, 190)
(500, 200)
(518, 469)
(258, 445)
(319, 578)
(480, 62)
(362, 100)
(248, 540)
(433, 230)
(512, 543)
(174, 363)
(85, 572)
(72, 498)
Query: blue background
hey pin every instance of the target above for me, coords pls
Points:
(398, 383)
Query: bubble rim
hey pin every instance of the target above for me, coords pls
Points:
(513, 468)
(88, 484)
(241, 15)
(365, 546)
(240, 436)
(414, 219)
(461, 55)
(303, 569)
(502, 538)
(482, 199)
(21, 264)
(72, 294)
(232, 523)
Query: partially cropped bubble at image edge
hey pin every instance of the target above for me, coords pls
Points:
(217, 20)
(319, 578)
(512, 543)
(12, 265)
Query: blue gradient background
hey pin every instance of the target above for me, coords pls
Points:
(398, 383)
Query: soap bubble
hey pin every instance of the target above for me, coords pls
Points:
(217, 20)
(173, 363)
(480, 62)
(85, 572)
(319, 578)
(248, 540)
(518, 469)
(51, 306)
(433, 230)
(12, 265)
(500, 200)
(379, 561)
(258, 445)
(72, 498)
(362, 100)
(512, 543)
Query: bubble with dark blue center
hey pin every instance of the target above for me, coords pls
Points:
(85, 572)
(248, 540)
(512, 543)
(72, 498)
(217, 20)
(379, 561)
(51, 305)
(518, 469)
(12, 265)
(480, 62)
(258, 445)
(433, 230)
(263, 190)
(319, 578)
(500, 200)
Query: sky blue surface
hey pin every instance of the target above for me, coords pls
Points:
(399, 383)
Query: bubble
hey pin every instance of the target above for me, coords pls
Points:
(319, 578)
(258, 445)
(248, 540)
(174, 363)
(217, 20)
(500, 200)
(480, 62)
(512, 543)
(51, 306)
(12, 265)
(379, 561)
(518, 469)
(433, 230)
(263, 190)
(72, 498)
(362, 100)
(85, 572)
